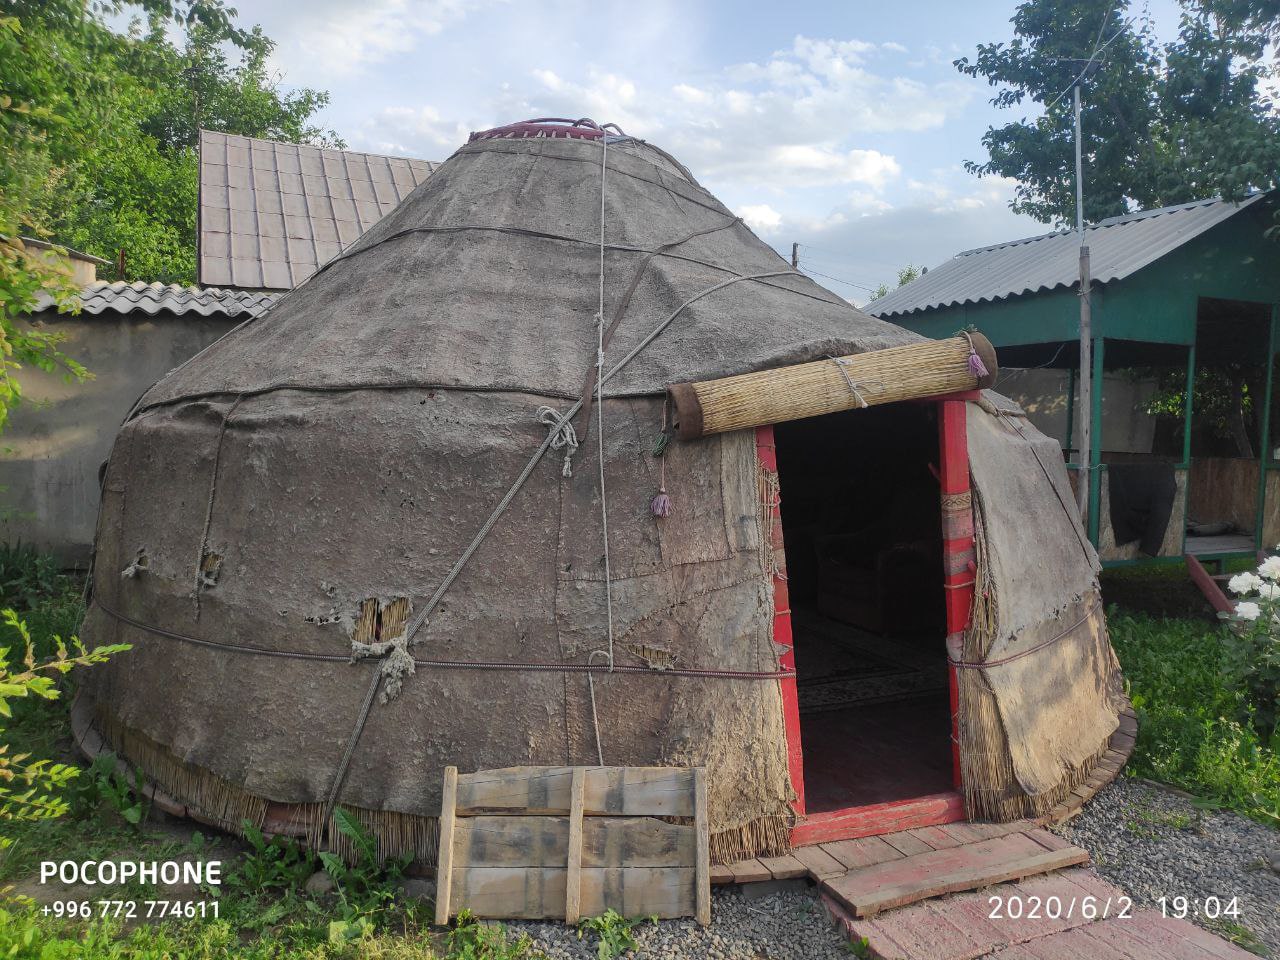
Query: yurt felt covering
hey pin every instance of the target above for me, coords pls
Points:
(344, 448)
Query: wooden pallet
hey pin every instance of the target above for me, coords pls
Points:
(542, 842)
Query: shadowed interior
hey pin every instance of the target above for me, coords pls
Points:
(863, 539)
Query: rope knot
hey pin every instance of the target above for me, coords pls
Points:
(563, 436)
(397, 662)
(842, 365)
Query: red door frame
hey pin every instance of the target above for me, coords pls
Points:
(948, 807)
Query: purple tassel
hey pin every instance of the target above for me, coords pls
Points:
(976, 366)
(661, 505)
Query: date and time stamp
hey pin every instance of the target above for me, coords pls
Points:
(1019, 907)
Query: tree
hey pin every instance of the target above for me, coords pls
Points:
(98, 133)
(1162, 124)
(29, 789)
(905, 276)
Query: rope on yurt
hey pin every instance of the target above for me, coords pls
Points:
(208, 510)
(593, 375)
(604, 503)
(604, 500)
(504, 665)
(983, 664)
(563, 437)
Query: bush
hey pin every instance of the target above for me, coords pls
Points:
(1189, 705)
(1253, 644)
(29, 577)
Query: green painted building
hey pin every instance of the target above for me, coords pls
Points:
(1190, 288)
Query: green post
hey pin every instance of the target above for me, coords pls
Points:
(1071, 412)
(1188, 406)
(1264, 444)
(1095, 440)
(1187, 410)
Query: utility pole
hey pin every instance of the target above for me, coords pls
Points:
(1085, 379)
(795, 256)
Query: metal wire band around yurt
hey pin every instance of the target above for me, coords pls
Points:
(507, 665)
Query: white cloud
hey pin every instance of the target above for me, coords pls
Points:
(415, 132)
(325, 38)
(691, 94)
(805, 117)
(820, 163)
(761, 217)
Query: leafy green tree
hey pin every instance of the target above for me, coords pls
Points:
(30, 789)
(98, 134)
(905, 276)
(1162, 124)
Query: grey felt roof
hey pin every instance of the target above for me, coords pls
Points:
(272, 213)
(1118, 247)
(154, 298)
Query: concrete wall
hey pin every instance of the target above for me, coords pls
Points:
(60, 434)
(1126, 427)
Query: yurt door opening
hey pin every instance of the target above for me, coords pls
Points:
(860, 506)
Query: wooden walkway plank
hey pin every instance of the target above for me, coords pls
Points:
(869, 890)
(749, 871)
(862, 852)
(785, 868)
(906, 844)
(935, 837)
(820, 863)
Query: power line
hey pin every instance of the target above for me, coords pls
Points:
(860, 286)
(1092, 57)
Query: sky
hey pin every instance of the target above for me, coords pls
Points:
(842, 126)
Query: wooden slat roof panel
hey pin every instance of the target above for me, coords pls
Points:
(272, 213)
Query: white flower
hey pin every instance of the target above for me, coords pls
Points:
(1244, 583)
(1269, 591)
(1270, 568)
(1248, 611)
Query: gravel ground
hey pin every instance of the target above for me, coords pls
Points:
(1152, 842)
(790, 924)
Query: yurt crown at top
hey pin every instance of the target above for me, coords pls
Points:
(554, 127)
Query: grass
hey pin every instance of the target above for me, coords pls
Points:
(1189, 735)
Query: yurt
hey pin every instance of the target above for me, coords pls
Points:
(560, 464)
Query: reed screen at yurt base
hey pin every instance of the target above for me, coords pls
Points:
(862, 528)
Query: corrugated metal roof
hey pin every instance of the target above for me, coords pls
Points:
(154, 298)
(1118, 248)
(272, 213)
